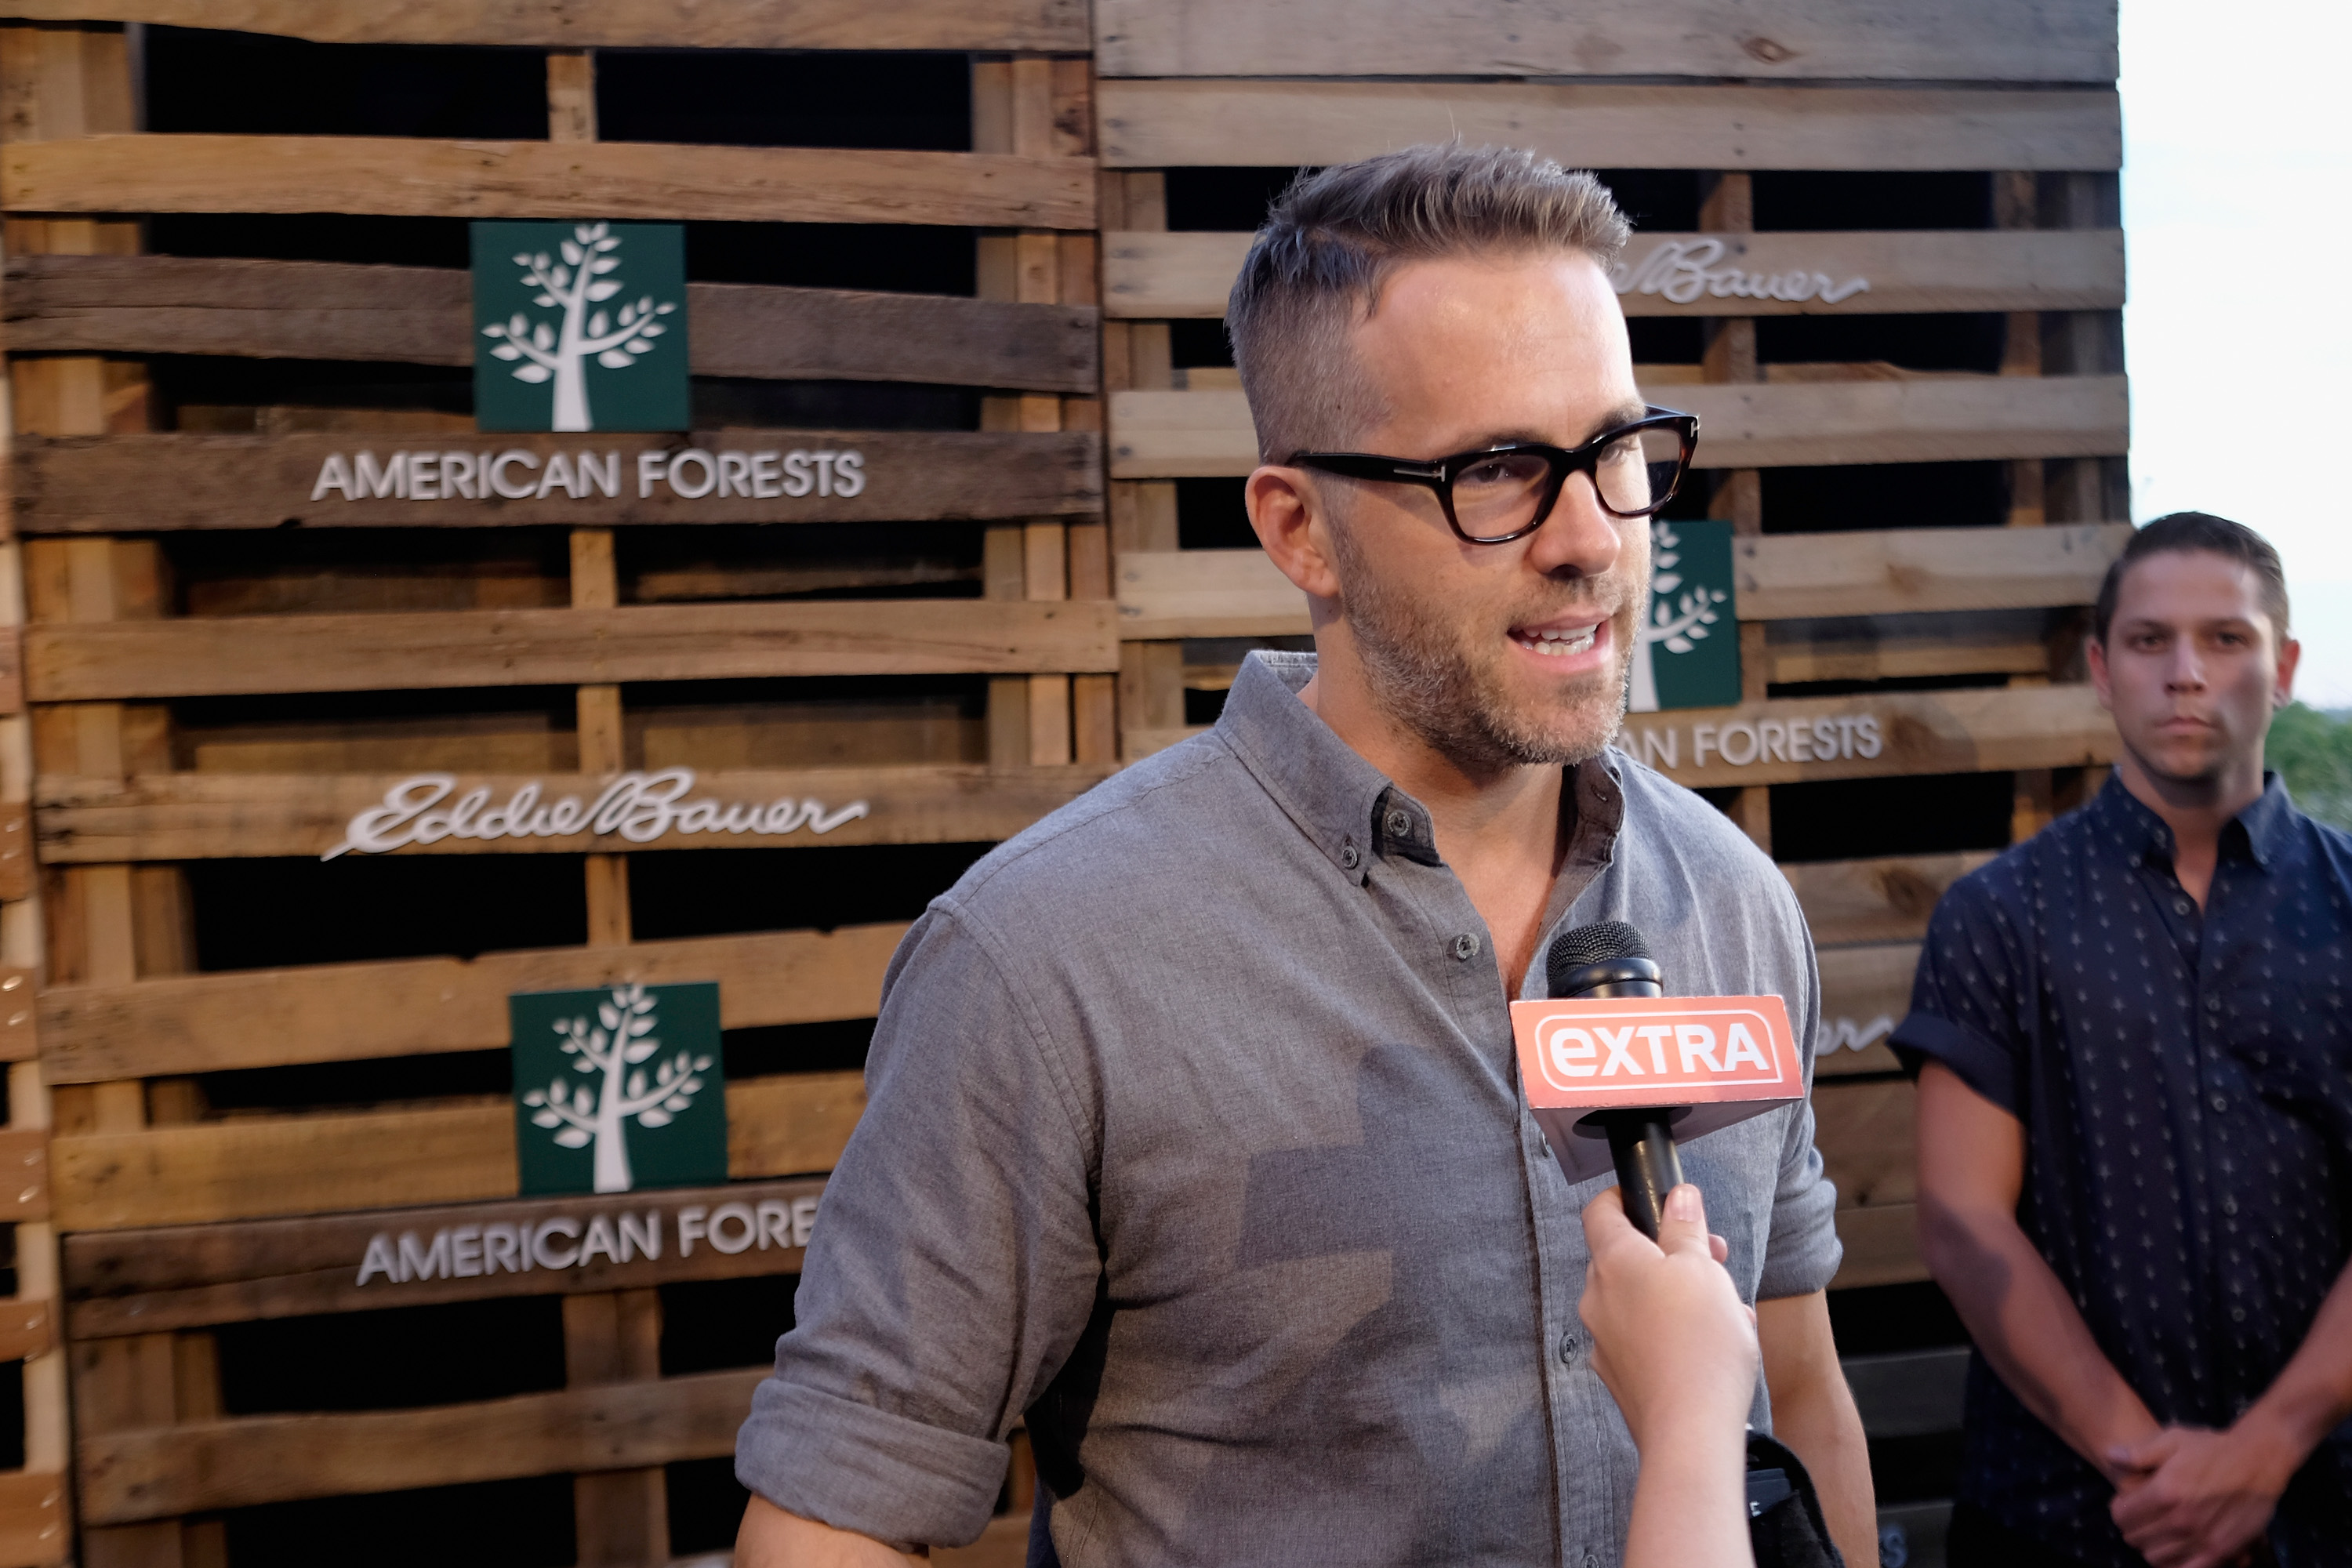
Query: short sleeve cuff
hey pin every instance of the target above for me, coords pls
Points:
(855, 1468)
(1981, 1065)
(1804, 1250)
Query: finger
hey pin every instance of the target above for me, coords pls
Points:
(1718, 1250)
(2149, 1452)
(1683, 1226)
(1607, 1231)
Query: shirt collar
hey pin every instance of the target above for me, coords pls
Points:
(1349, 807)
(2262, 828)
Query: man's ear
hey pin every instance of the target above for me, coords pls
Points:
(2290, 655)
(2094, 654)
(1290, 522)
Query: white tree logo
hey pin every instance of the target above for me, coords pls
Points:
(1684, 621)
(571, 285)
(625, 1041)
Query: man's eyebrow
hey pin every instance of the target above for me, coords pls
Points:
(1624, 414)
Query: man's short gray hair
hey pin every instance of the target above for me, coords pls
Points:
(1333, 238)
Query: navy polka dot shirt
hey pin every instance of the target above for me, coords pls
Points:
(2185, 1081)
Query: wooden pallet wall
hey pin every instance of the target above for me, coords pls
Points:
(187, 1221)
(1974, 623)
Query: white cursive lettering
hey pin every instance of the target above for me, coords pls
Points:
(639, 807)
(1682, 270)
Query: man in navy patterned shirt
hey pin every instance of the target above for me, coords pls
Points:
(2135, 1114)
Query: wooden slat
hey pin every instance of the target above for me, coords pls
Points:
(1864, 1133)
(1876, 900)
(419, 177)
(1995, 40)
(354, 1012)
(1168, 594)
(260, 1166)
(162, 1472)
(33, 1526)
(1190, 273)
(415, 315)
(26, 1329)
(215, 655)
(1881, 1247)
(1895, 648)
(190, 817)
(26, 1174)
(1254, 124)
(12, 670)
(1179, 435)
(1907, 570)
(15, 860)
(181, 1277)
(1970, 731)
(1865, 992)
(146, 483)
(1057, 25)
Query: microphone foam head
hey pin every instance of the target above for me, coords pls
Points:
(1596, 944)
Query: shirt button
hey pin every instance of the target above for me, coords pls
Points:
(2221, 1102)
(1568, 1354)
(1398, 824)
(2181, 906)
(1465, 946)
(2212, 1003)
(2229, 1205)
(1351, 856)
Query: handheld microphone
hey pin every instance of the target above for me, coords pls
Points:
(1613, 1060)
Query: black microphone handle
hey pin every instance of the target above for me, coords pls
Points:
(1647, 1165)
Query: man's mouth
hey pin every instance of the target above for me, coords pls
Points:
(1558, 640)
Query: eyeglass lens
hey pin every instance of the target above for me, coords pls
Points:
(1500, 495)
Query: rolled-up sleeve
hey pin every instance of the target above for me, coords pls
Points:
(953, 1262)
(1964, 999)
(1804, 1251)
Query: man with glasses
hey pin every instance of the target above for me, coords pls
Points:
(1194, 1137)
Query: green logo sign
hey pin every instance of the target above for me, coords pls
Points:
(1689, 655)
(579, 326)
(619, 1090)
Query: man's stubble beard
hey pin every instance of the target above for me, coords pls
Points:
(1421, 674)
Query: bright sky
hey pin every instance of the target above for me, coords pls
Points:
(2238, 330)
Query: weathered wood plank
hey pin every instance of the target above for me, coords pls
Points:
(33, 1525)
(354, 1012)
(1876, 900)
(992, 25)
(1184, 274)
(185, 1277)
(419, 177)
(195, 817)
(215, 655)
(161, 1472)
(1907, 570)
(1181, 435)
(1254, 124)
(148, 483)
(415, 315)
(261, 1167)
(1881, 1247)
(26, 1329)
(1864, 1133)
(26, 1174)
(15, 869)
(1998, 40)
(1893, 647)
(1865, 992)
(1168, 594)
(1875, 735)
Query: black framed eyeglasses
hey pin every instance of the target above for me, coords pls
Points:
(1503, 493)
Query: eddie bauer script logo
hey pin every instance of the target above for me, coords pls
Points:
(640, 807)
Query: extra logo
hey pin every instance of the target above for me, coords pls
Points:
(617, 1090)
(1655, 1050)
(579, 326)
(1689, 651)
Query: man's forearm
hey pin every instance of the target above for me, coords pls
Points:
(771, 1538)
(1814, 1414)
(2313, 1393)
(2028, 1328)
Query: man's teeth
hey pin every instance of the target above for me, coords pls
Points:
(1559, 644)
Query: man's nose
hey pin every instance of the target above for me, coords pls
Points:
(1579, 539)
(2187, 672)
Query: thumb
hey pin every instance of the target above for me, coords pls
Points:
(1683, 1226)
(2147, 1454)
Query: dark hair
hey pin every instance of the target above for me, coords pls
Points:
(1332, 239)
(2181, 532)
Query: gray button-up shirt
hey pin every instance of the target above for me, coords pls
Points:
(1195, 1132)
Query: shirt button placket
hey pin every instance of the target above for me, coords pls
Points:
(1465, 946)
